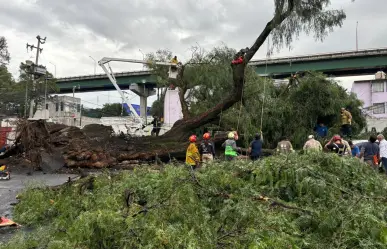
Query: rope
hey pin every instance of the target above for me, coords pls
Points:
(240, 108)
(264, 83)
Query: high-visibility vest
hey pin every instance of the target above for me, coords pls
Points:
(229, 151)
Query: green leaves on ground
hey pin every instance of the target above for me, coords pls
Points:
(316, 201)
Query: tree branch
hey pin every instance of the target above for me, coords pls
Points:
(180, 129)
(183, 102)
(275, 22)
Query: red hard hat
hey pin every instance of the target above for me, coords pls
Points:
(206, 136)
(192, 138)
(336, 138)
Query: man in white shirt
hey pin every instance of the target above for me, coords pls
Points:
(383, 150)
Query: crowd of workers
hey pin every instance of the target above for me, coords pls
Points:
(373, 152)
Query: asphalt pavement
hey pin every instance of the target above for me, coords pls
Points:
(10, 188)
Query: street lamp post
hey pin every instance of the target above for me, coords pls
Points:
(143, 58)
(95, 64)
(30, 68)
(74, 104)
(54, 67)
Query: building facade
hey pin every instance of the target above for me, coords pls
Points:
(373, 93)
(64, 109)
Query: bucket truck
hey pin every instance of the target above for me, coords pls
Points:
(138, 128)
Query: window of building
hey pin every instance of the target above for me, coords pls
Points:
(78, 107)
(56, 106)
(379, 108)
(61, 106)
(377, 87)
(46, 106)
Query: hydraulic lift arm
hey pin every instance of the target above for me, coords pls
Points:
(113, 80)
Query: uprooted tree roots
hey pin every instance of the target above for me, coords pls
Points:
(33, 137)
(92, 147)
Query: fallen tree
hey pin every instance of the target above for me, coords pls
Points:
(308, 201)
(290, 18)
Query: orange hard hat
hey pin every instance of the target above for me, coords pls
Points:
(206, 136)
(192, 138)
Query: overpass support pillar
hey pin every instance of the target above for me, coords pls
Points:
(144, 91)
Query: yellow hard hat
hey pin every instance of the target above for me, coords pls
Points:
(231, 135)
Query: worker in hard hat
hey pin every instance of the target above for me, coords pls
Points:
(4, 173)
(192, 156)
(230, 146)
(312, 145)
(174, 60)
(207, 148)
(336, 145)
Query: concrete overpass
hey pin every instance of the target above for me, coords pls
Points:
(350, 63)
(100, 82)
(143, 83)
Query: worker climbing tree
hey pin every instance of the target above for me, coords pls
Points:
(346, 123)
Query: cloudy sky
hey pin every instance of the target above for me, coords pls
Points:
(78, 29)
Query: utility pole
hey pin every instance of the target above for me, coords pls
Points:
(26, 100)
(143, 58)
(38, 51)
(74, 104)
(45, 96)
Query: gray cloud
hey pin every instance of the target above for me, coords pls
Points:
(76, 29)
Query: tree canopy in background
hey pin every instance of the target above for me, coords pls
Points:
(4, 54)
(291, 112)
(13, 92)
(108, 110)
(290, 18)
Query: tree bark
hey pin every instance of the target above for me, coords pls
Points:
(182, 128)
(183, 102)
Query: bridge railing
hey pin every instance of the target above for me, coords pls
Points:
(104, 76)
(321, 56)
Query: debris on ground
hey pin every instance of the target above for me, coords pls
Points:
(4, 222)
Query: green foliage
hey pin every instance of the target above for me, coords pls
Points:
(161, 55)
(157, 108)
(294, 112)
(108, 110)
(310, 17)
(316, 201)
(13, 92)
(4, 54)
(91, 112)
(113, 109)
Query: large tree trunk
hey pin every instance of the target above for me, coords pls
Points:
(183, 127)
(183, 102)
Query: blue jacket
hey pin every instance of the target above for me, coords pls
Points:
(256, 148)
(322, 131)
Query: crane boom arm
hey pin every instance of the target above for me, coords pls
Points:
(109, 59)
(106, 60)
(114, 82)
